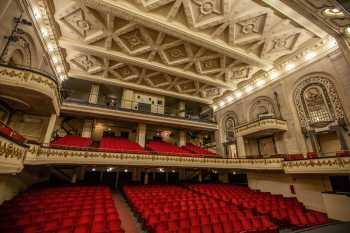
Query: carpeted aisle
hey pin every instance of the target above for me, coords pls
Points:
(129, 222)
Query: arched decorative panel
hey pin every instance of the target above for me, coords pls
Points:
(261, 106)
(317, 101)
(228, 124)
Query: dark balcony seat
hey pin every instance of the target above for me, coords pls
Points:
(169, 149)
(120, 145)
(11, 134)
(200, 151)
(71, 141)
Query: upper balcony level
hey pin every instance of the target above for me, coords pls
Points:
(103, 100)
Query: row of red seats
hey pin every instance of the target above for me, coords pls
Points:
(11, 134)
(167, 148)
(61, 210)
(71, 141)
(119, 144)
(123, 145)
(175, 209)
(285, 211)
(198, 150)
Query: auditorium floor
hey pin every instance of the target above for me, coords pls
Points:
(129, 222)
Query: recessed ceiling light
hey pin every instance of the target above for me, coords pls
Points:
(50, 47)
(309, 55)
(55, 60)
(273, 75)
(260, 82)
(44, 32)
(63, 77)
(59, 69)
(238, 94)
(290, 66)
(125, 170)
(249, 88)
(332, 42)
(347, 30)
(333, 12)
(229, 98)
(94, 169)
(37, 13)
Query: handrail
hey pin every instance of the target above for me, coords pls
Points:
(258, 120)
(112, 150)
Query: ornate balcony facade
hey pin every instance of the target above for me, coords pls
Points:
(12, 155)
(29, 89)
(262, 126)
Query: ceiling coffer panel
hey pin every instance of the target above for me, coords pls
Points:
(101, 67)
(103, 29)
(192, 47)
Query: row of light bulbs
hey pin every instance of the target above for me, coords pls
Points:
(273, 75)
(51, 44)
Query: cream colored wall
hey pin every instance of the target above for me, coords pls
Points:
(30, 126)
(329, 142)
(308, 188)
(337, 206)
(293, 140)
(11, 185)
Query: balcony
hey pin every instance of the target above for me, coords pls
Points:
(12, 154)
(38, 155)
(134, 111)
(262, 127)
(29, 89)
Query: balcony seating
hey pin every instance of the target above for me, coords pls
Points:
(343, 153)
(62, 209)
(292, 157)
(119, 144)
(11, 134)
(176, 209)
(197, 150)
(168, 149)
(71, 141)
(312, 155)
(285, 211)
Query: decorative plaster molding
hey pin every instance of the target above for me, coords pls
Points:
(261, 125)
(31, 81)
(11, 156)
(60, 156)
(338, 165)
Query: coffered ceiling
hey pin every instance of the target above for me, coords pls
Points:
(190, 49)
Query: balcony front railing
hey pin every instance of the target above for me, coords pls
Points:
(133, 106)
(33, 70)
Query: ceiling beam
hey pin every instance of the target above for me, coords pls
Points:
(296, 17)
(122, 57)
(129, 12)
(116, 82)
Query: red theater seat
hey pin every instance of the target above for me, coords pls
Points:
(169, 149)
(11, 134)
(121, 145)
(61, 210)
(198, 150)
(71, 141)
